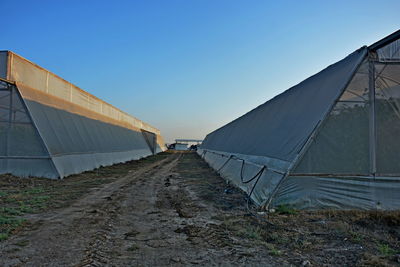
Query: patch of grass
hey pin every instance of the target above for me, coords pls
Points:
(4, 220)
(11, 221)
(38, 200)
(3, 194)
(34, 190)
(385, 250)
(250, 232)
(8, 224)
(26, 209)
(16, 204)
(272, 250)
(3, 236)
(286, 209)
(10, 211)
(11, 199)
(356, 237)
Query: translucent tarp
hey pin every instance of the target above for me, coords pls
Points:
(342, 143)
(388, 118)
(390, 52)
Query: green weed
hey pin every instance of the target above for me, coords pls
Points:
(36, 190)
(286, 209)
(385, 250)
(272, 250)
(251, 232)
(3, 236)
(10, 211)
(356, 237)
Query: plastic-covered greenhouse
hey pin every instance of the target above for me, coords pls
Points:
(332, 141)
(51, 128)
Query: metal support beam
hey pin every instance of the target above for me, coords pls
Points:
(372, 119)
(25, 157)
(9, 122)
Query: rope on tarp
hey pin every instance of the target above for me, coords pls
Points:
(226, 162)
(259, 173)
(256, 177)
(238, 158)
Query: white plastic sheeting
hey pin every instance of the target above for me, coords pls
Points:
(34, 76)
(342, 143)
(390, 52)
(328, 142)
(50, 128)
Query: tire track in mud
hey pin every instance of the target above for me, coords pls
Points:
(101, 249)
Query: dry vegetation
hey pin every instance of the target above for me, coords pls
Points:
(318, 238)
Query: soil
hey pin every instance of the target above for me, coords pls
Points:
(172, 209)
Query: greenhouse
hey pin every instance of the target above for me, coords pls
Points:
(51, 128)
(332, 141)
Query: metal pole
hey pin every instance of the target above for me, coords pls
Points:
(9, 120)
(372, 119)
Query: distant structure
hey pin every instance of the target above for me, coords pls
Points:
(188, 141)
(181, 147)
(183, 144)
(332, 141)
(51, 128)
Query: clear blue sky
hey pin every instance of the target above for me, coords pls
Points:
(190, 66)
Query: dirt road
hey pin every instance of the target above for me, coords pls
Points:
(173, 210)
(150, 217)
